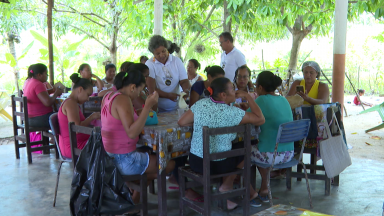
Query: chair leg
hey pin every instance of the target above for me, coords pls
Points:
(253, 176)
(45, 140)
(17, 148)
(182, 189)
(57, 152)
(152, 187)
(143, 195)
(57, 183)
(207, 198)
(29, 151)
(269, 186)
(289, 178)
(327, 186)
(308, 188)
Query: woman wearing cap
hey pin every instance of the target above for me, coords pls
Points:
(166, 73)
(315, 92)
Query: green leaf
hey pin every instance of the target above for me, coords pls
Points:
(25, 51)
(74, 46)
(10, 59)
(65, 63)
(40, 38)
(44, 52)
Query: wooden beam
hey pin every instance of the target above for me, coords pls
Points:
(50, 41)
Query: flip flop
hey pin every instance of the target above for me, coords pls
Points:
(199, 199)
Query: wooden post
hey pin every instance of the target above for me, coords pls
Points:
(50, 43)
(339, 48)
(158, 19)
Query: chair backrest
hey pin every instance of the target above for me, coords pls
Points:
(73, 129)
(293, 131)
(55, 128)
(21, 114)
(245, 151)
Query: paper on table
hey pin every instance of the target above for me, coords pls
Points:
(182, 104)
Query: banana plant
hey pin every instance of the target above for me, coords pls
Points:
(61, 55)
(10, 60)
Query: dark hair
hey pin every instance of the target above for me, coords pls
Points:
(138, 66)
(108, 66)
(173, 47)
(361, 91)
(157, 41)
(82, 66)
(240, 68)
(127, 78)
(268, 81)
(226, 36)
(35, 69)
(30, 75)
(143, 57)
(80, 82)
(195, 62)
(218, 86)
(124, 67)
(214, 70)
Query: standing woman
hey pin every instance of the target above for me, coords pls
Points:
(85, 72)
(192, 67)
(241, 81)
(199, 89)
(39, 101)
(166, 73)
(315, 92)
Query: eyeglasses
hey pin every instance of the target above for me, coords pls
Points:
(243, 77)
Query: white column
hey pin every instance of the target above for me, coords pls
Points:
(158, 19)
(339, 48)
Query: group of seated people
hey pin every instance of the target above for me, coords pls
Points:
(216, 102)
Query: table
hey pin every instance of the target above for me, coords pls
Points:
(89, 107)
(287, 210)
(169, 140)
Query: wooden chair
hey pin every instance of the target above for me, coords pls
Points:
(129, 179)
(289, 132)
(25, 129)
(206, 178)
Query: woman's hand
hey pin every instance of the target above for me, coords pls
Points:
(152, 99)
(58, 92)
(241, 94)
(94, 76)
(244, 106)
(173, 96)
(95, 115)
(303, 95)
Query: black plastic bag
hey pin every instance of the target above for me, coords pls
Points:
(97, 186)
(308, 112)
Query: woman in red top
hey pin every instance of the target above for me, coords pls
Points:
(39, 101)
(70, 112)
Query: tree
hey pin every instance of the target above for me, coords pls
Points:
(111, 23)
(62, 55)
(12, 22)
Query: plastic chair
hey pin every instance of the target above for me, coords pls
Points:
(289, 132)
(380, 109)
(55, 128)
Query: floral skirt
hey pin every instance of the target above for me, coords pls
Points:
(267, 157)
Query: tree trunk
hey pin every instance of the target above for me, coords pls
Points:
(62, 74)
(297, 38)
(12, 50)
(226, 26)
(299, 32)
(113, 46)
(50, 43)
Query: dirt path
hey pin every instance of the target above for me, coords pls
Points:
(355, 126)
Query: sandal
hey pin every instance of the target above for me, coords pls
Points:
(137, 213)
(263, 198)
(199, 199)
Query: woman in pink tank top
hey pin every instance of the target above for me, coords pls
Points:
(121, 127)
(70, 112)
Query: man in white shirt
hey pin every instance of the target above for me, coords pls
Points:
(231, 58)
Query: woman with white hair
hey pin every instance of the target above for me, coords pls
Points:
(312, 91)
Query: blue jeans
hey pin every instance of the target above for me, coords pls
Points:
(132, 163)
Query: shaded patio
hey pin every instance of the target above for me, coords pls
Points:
(28, 189)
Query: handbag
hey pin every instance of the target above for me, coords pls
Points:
(152, 118)
(334, 152)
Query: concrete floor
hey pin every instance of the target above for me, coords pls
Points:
(29, 189)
